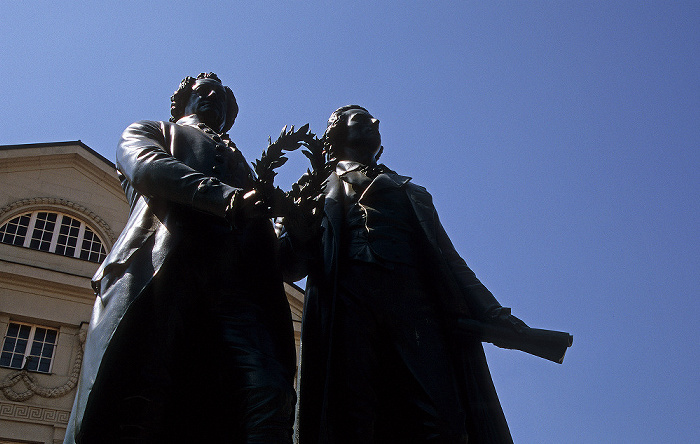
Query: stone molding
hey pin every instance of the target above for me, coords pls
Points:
(34, 414)
(58, 204)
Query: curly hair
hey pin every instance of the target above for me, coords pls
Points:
(336, 133)
(179, 99)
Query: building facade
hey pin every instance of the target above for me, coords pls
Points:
(61, 209)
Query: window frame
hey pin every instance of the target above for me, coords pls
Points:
(83, 229)
(27, 353)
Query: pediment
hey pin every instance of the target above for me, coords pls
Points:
(61, 162)
(55, 173)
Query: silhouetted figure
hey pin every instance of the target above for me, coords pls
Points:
(191, 337)
(385, 286)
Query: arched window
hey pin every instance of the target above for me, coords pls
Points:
(54, 232)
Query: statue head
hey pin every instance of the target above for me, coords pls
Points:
(212, 102)
(352, 133)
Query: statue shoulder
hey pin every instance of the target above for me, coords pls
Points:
(420, 196)
(414, 188)
(147, 126)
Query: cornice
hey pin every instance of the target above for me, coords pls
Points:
(54, 144)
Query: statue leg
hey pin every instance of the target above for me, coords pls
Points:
(392, 377)
(353, 382)
(262, 397)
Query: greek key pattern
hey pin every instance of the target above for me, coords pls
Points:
(33, 414)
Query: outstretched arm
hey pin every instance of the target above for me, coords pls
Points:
(481, 302)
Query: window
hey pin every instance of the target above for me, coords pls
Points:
(54, 232)
(28, 345)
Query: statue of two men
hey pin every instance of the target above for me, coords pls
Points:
(191, 337)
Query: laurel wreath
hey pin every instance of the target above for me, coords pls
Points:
(309, 186)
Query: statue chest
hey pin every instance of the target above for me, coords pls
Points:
(212, 156)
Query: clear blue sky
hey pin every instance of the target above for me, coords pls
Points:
(559, 139)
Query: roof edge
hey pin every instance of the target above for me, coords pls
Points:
(67, 143)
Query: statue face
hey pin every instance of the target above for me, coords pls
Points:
(362, 133)
(208, 102)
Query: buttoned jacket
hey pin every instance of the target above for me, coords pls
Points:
(464, 295)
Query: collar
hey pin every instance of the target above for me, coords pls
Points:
(191, 120)
(345, 166)
(387, 176)
(217, 138)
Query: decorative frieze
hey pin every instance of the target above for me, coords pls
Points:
(34, 414)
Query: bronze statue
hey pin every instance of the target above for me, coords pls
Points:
(191, 338)
(381, 359)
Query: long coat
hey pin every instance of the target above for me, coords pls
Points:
(456, 288)
(172, 173)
